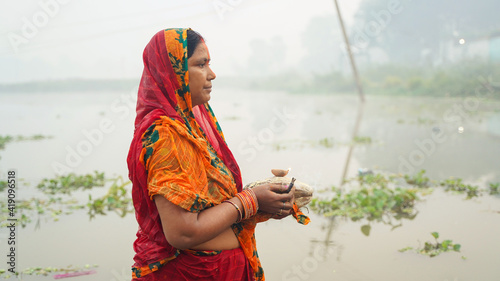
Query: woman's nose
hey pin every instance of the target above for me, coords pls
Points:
(211, 74)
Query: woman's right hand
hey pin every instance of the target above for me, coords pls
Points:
(272, 199)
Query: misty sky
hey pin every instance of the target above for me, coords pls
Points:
(105, 39)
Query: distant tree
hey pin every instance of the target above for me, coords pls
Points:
(322, 42)
(421, 27)
(266, 57)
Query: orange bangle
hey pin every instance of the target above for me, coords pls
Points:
(237, 208)
(254, 199)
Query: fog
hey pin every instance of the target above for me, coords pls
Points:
(55, 39)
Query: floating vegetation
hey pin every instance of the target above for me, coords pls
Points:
(362, 140)
(57, 200)
(300, 144)
(456, 185)
(3, 185)
(70, 183)
(494, 188)
(70, 271)
(418, 179)
(6, 139)
(382, 198)
(433, 249)
(425, 121)
(115, 200)
(376, 198)
(326, 142)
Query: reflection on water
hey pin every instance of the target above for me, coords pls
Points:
(406, 133)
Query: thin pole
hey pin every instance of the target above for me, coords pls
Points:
(360, 93)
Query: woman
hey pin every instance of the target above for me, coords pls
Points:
(183, 172)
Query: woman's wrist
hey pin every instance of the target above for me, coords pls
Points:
(238, 208)
(249, 202)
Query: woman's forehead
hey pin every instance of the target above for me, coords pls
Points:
(201, 52)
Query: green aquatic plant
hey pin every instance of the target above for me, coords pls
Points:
(494, 188)
(116, 199)
(362, 140)
(418, 179)
(71, 182)
(57, 200)
(326, 142)
(435, 248)
(300, 144)
(45, 271)
(27, 210)
(6, 139)
(374, 200)
(374, 179)
(3, 185)
(456, 185)
(382, 198)
(425, 121)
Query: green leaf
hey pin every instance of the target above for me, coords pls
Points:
(445, 244)
(405, 249)
(366, 229)
(456, 247)
(435, 234)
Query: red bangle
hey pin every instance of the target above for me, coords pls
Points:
(249, 202)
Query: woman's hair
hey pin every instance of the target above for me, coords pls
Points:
(193, 40)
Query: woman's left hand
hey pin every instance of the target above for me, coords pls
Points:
(288, 206)
(272, 199)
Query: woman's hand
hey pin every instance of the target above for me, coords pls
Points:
(272, 199)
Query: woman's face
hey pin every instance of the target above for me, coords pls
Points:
(200, 75)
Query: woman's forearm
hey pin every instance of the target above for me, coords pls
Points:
(184, 229)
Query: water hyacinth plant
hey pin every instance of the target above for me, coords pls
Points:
(375, 199)
(456, 185)
(69, 271)
(56, 199)
(380, 197)
(71, 182)
(116, 200)
(6, 139)
(433, 249)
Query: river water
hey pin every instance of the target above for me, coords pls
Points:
(448, 137)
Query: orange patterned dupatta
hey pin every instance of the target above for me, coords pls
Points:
(164, 100)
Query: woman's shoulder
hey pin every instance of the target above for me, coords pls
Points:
(161, 128)
(162, 134)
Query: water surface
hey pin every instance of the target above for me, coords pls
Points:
(269, 130)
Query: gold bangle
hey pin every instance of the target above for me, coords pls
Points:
(237, 208)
